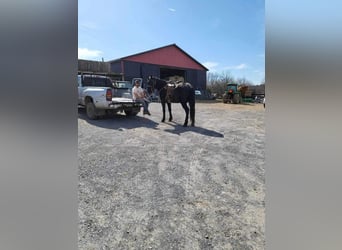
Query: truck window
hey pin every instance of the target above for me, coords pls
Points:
(89, 81)
(123, 84)
(102, 82)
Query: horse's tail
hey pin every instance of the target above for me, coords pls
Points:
(192, 107)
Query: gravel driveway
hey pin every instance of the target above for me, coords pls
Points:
(144, 184)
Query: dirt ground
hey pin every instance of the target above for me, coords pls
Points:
(144, 184)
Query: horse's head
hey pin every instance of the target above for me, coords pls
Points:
(155, 83)
(151, 84)
(150, 81)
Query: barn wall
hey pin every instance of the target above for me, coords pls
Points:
(202, 79)
(150, 70)
(143, 70)
(116, 67)
(135, 69)
(191, 77)
(131, 70)
(197, 78)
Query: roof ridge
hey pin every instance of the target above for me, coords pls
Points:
(169, 45)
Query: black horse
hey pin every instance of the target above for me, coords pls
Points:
(183, 93)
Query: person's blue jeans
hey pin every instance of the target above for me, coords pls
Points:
(144, 103)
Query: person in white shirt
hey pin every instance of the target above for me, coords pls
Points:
(139, 95)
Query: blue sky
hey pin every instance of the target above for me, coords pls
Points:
(223, 35)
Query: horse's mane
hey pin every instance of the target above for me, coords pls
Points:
(157, 78)
(176, 83)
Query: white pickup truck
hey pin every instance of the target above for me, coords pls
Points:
(100, 95)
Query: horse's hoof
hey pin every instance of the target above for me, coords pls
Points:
(162, 120)
(170, 120)
(192, 125)
(185, 125)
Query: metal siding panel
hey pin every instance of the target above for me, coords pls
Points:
(197, 78)
(132, 70)
(202, 79)
(168, 56)
(149, 70)
(115, 67)
(191, 77)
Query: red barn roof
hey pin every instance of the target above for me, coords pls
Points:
(170, 55)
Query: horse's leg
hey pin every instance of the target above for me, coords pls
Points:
(163, 107)
(170, 113)
(186, 108)
(192, 112)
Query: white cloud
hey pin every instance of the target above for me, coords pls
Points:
(210, 65)
(172, 10)
(259, 72)
(84, 53)
(237, 67)
(88, 25)
(241, 66)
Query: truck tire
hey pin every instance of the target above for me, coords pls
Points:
(91, 111)
(131, 112)
(236, 98)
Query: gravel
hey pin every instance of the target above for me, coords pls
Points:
(144, 184)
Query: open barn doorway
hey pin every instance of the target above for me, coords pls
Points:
(167, 73)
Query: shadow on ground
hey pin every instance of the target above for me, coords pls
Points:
(119, 121)
(179, 129)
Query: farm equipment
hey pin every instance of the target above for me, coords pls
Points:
(232, 94)
(236, 94)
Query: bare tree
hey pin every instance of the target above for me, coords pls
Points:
(243, 81)
(217, 82)
(212, 77)
(226, 77)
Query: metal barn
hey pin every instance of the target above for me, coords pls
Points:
(162, 62)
